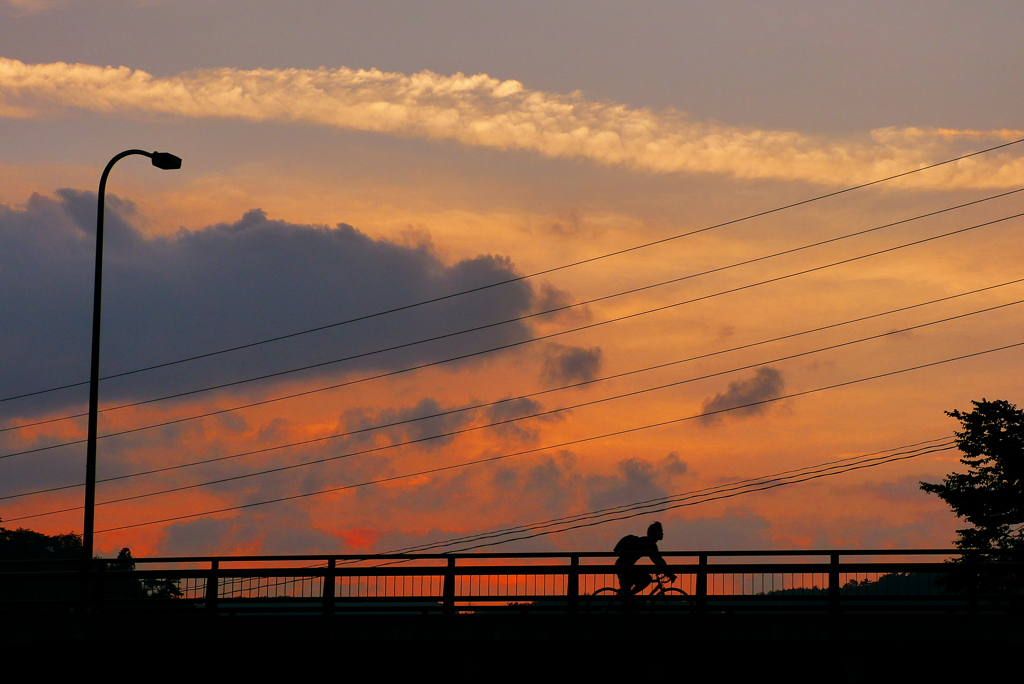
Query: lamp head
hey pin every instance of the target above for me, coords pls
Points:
(166, 161)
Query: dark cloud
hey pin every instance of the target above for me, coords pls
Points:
(767, 383)
(564, 365)
(169, 297)
(526, 431)
(546, 485)
(634, 480)
(421, 427)
(559, 302)
(514, 408)
(674, 465)
(288, 530)
(517, 490)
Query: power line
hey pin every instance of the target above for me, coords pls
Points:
(565, 444)
(463, 430)
(591, 524)
(661, 509)
(523, 317)
(698, 493)
(518, 398)
(523, 277)
(704, 495)
(489, 350)
(551, 411)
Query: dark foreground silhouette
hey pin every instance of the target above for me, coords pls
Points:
(632, 548)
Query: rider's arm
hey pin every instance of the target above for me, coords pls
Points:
(658, 560)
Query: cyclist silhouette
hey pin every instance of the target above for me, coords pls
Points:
(632, 548)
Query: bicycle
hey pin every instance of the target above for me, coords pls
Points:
(661, 599)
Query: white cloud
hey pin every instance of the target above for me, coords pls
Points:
(482, 111)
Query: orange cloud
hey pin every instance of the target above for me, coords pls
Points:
(482, 111)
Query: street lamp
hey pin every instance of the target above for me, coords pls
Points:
(161, 160)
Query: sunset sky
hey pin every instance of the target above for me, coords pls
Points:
(343, 159)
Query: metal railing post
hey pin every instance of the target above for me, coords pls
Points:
(212, 585)
(833, 583)
(702, 583)
(573, 590)
(448, 592)
(329, 576)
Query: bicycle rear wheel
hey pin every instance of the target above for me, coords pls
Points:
(603, 602)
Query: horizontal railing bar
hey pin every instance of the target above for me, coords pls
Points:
(863, 567)
(541, 555)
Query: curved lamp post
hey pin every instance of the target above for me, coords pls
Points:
(161, 160)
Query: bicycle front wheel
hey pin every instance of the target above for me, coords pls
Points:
(603, 602)
(672, 600)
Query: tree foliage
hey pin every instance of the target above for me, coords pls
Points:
(28, 545)
(990, 496)
(25, 544)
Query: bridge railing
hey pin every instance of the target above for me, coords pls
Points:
(706, 582)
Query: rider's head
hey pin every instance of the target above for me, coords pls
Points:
(655, 532)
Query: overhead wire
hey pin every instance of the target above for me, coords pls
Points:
(505, 346)
(589, 439)
(453, 433)
(646, 512)
(705, 491)
(530, 275)
(660, 504)
(520, 397)
(535, 314)
(631, 430)
(718, 497)
(703, 495)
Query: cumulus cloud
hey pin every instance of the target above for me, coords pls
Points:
(564, 364)
(417, 427)
(544, 485)
(479, 110)
(634, 480)
(166, 298)
(288, 530)
(522, 432)
(767, 383)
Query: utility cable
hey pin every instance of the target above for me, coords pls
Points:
(523, 317)
(594, 438)
(464, 430)
(706, 491)
(505, 346)
(664, 508)
(528, 276)
(704, 495)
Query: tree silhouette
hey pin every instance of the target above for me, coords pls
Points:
(23, 544)
(990, 496)
(33, 551)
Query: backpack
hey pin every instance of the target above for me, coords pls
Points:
(628, 544)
